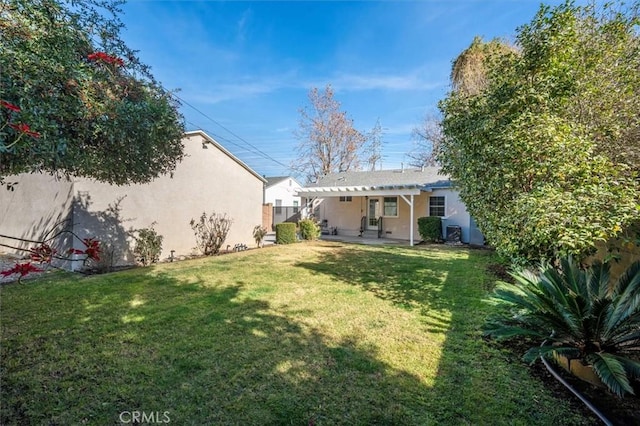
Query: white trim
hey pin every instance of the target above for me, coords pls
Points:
(444, 216)
(369, 191)
(410, 218)
(397, 206)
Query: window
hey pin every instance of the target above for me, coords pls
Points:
(390, 206)
(295, 206)
(346, 198)
(278, 206)
(436, 206)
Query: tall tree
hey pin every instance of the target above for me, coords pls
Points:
(75, 100)
(427, 141)
(328, 142)
(529, 147)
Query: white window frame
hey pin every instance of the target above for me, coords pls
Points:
(384, 207)
(345, 198)
(444, 205)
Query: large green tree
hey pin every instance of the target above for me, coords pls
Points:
(545, 146)
(75, 100)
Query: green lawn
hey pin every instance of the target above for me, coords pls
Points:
(311, 333)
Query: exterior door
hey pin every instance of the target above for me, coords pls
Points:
(373, 213)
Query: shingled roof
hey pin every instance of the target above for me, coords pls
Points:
(428, 177)
(425, 179)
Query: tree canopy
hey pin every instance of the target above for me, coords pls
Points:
(545, 148)
(76, 101)
(328, 142)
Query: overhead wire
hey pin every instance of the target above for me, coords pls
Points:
(253, 149)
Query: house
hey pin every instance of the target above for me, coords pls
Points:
(388, 203)
(209, 179)
(281, 193)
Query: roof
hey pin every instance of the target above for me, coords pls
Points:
(224, 150)
(405, 181)
(274, 180)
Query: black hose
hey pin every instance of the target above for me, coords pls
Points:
(582, 398)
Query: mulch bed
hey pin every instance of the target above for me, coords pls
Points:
(620, 411)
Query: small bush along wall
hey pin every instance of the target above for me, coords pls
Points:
(430, 228)
(285, 233)
(309, 230)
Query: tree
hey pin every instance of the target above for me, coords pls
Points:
(469, 70)
(427, 139)
(76, 101)
(328, 141)
(528, 151)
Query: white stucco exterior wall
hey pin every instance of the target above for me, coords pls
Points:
(456, 213)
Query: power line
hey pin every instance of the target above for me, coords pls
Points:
(255, 149)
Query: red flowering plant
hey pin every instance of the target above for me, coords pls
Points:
(43, 254)
(105, 58)
(21, 129)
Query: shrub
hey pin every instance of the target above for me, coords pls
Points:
(285, 233)
(309, 229)
(259, 233)
(211, 232)
(577, 313)
(430, 228)
(148, 245)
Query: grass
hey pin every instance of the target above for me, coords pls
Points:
(311, 333)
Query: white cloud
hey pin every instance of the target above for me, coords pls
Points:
(412, 80)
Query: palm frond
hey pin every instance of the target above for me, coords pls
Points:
(598, 277)
(627, 292)
(611, 371)
(503, 332)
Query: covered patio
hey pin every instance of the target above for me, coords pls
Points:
(377, 205)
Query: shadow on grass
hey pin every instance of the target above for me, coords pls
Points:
(89, 350)
(476, 382)
(85, 351)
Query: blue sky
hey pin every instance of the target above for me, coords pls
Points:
(244, 69)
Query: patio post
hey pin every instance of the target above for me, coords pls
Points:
(410, 218)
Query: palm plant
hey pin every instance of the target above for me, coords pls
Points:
(578, 313)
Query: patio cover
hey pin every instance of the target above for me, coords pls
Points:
(403, 183)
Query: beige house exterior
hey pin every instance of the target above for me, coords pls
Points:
(209, 179)
(388, 203)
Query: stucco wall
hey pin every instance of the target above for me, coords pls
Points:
(456, 213)
(38, 206)
(207, 180)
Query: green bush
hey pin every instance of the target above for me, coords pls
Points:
(285, 233)
(309, 229)
(148, 246)
(579, 313)
(430, 228)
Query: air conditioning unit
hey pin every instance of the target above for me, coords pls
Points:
(454, 234)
